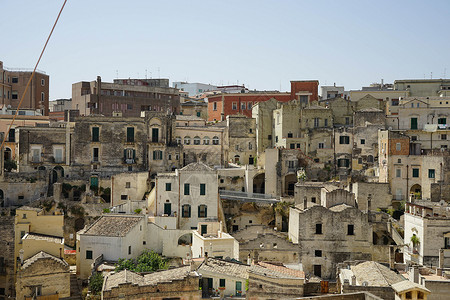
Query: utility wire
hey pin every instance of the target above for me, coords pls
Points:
(32, 75)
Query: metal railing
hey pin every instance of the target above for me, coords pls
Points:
(248, 197)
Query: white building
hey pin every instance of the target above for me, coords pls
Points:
(194, 88)
(189, 195)
(210, 240)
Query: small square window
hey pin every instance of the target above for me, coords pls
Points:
(88, 254)
(222, 283)
(363, 141)
(123, 197)
(128, 185)
(415, 172)
(431, 173)
(318, 253)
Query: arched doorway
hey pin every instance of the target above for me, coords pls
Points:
(416, 190)
(7, 154)
(259, 184)
(185, 239)
(289, 184)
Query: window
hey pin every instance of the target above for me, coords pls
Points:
(398, 173)
(129, 106)
(36, 154)
(221, 282)
(15, 79)
(129, 250)
(202, 211)
(58, 154)
(12, 135)
(431, 173)
(123, 197)
(214, 105)
(187, 140)
(343, 163)
(318, 253)
(42, 96)
(269, 137)
(178, 140)
(196, 140)
(88, 254)
(344, 139)
(234, 106)
(168, 186)
(250, 146)
(24, 216)
(14, 95)
(243, 106)
(325, 123)
(414, 138)
(42, 82)
(186, 211)
(321, 145)
(298, 146)
(313, 199)
(249, 105)
(399, 161)
(350, 229)
(413, 123)
(95, 134)
(318, 228)
(347, 120)
(130, 134)
(202, 189)
(186, 189)
(289, 135)
(398, 146)
(415, 172)
(442, 121)
(291, 146)
(155, 135)
(363, 141)
(303, 98)
(443, 137)
(198, 114)
(215, 140)
(206, 140)
(316, 122)
(95, 154)
(127, 185)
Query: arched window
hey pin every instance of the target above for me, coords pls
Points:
(187, 140)
(206, 140)
(197, 140)
(178, 140)
(215, 140)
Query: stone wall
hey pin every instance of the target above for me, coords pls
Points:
(386, 293)
(7, 255)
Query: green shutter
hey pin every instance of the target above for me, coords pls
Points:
(202, 189)
(124, 153)
(154, 155)
(198, 213)
(186, 188)
(206, 211)
(189, 213)
(95, 134)
(130, 134)
(413, 123)
(134, 154)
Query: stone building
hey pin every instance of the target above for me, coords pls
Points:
(342, 109)
(128, 186)
(7, 258)
(13, 82)
(43, 275)
(124, 97)
(368, 276)
(198, 108)
(427, 237)
(274, 281)
(210, 240)
(327, 236)
(111, 237)
(178, 283)
(241, 139)
(188, 196)
(262, 112)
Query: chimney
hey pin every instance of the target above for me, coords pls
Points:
(353, 280)
(391, 257)
(99, 85)
(441, 262)
(369, 203)
(305, 202)
(414, 274)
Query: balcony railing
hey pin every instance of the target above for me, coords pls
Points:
(248, 197)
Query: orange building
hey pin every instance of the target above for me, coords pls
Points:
(222, 105)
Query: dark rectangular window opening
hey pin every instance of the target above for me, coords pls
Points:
(130, 134)
(88, 254)
(318, 253)
(318, 228)
(350, 229)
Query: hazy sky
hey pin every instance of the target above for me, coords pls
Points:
(263, 44)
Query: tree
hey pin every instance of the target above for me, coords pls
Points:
(96, 283)
(148, 261)
(9, 165)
